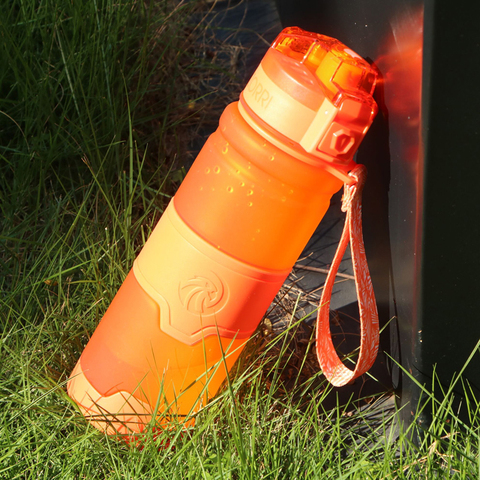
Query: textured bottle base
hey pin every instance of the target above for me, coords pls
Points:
(132, 367)
(119, 413)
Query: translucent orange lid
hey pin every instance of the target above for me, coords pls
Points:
(338, 68)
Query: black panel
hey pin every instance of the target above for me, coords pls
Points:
(421, 220)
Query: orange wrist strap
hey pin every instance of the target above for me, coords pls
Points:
(333, 368)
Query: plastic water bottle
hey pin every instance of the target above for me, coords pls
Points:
(230, 236)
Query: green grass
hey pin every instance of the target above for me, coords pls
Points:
(97, 101)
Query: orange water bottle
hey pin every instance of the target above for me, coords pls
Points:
(230, 236)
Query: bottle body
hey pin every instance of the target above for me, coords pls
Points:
(230, 236)
(202, 282)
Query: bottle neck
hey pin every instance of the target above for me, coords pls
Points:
(338, 169)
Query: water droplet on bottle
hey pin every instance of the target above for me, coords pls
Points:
(290, 192)
(207, 170)
(237, 171)
(225, 149)
(250, 204)
(229, 189)
(250, 192)
(272, 158)
(242, 184)
(216, 169)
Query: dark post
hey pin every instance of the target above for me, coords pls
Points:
(421, 213)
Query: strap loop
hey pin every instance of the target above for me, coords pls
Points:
(333, 368)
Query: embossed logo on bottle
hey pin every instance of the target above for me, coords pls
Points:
(259, 92)
(203, 294)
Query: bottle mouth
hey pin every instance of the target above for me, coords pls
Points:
(315, 92)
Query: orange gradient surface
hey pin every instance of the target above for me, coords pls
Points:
(233, 231)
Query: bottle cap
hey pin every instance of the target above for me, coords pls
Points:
(312, 91)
